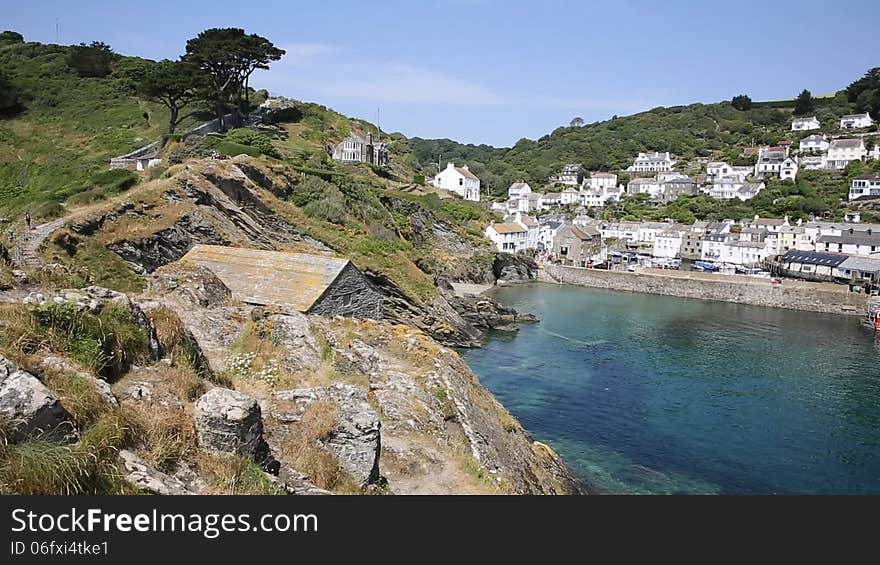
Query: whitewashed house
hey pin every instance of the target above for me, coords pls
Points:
(745, 253)
(357, 149)
(531, 224)
(851, 241)
(547, 233)
(814, 144)
(769, 163)
(768, 224)
(569, 196)
(600, 181)
(518, 190)
(460, 181)
(652, 162)
(649, 230)
(628, 231)
(717, 170)
(856, 121)
(711, 246)
(804, 124)
(732, 187)
(599, 197)
(551, 199)
(570, 175)
(789, 168)
(509, 237)
(842, 152)
(865, 187)
(667, 243)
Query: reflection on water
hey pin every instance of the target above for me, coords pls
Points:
(651, 394)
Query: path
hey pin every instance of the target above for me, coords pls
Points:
(26, 251)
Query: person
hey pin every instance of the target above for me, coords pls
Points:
(27, 220)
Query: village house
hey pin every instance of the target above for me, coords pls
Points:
(551, 199)
(717, 170)
(856, 269)
(769, 224)
(805, 124)
(531, 224)
(460, 181)
(851, 242)
(745, 253)
(794, 237)
(357, 149)
(569, 196)
(518, 190)
(789, 168)
(649, 230)
(649, 186)
(813, 265)
(856, 121)
(814, 144)
(816, 229)
(712, 244)
(600, 181)
(311, 284)
(509, 237)
(547, 233)
(865, 187)
(842, 152)
(652, 162)
(599, 197)
(679, 186)
(627, 231)
(577, 246)
(732, 187)
(668, 243)
(571, 175)
(692, 241)
(770, 162)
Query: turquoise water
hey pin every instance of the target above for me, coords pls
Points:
(652, 394)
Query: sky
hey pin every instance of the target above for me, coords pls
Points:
(495, 71)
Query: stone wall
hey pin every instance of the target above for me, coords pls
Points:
(351, 295)
(758, 293)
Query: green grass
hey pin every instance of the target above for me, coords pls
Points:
(91, 262)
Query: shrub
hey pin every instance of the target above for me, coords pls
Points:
(92, 60)
(253, 139)
(233, 474)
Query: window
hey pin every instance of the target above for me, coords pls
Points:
(460, 182)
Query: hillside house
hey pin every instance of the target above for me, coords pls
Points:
(571, 175)
(745, 253)
(789, 168)
(652, 162)
(717, 170)
(814, 144)
(768, 224)
(692, 241)
(650, 186)
(577, 246)
(460, 181)
(626, 231)
(358, 149)
(793, 237)
(804, 124)
(519, 190)
(842, 152)
(865, 187)
(311, 284)
(509, 237)
(732, 187)
(531, 224)
(812, 162)
(856, 121)
(547, 233)
(600, 181)
(599, 197)
(770, 163)
(569, 196)
(679, 186)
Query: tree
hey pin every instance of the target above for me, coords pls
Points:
(227, 58)
(8, 37)
(804, 104)
(576, 122)
(865, 93)
(741, 102)
(172, 84)
(8, 96)
(92, 60)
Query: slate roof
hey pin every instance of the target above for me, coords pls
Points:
(863, 264)
(269, 278)
(846, 143)
(814, 258)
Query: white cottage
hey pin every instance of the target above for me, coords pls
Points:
(856, 121)
(804, 124)
(842, 152)
(599, 181)
(460, 181)
(652, 162)
(865, 187)
(814, 144)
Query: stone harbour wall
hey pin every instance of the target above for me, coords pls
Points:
(758, 293)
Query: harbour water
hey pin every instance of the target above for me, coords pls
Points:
(651, 394)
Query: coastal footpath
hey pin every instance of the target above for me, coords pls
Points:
(793, 295)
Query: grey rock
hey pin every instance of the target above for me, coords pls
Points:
(231, 422)
(355, 440)
(514, 268)
(293, 334)
(28, 408)
(147, 478)
(64, 366)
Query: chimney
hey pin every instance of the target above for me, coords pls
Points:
(465, 167)
(450, 165)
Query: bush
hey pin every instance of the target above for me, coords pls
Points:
(251, 138)
(92, 60)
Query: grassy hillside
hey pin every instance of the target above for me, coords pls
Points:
(67, 126)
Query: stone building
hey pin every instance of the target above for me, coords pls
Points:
(357, 149)
(311, 284)
(577, 246)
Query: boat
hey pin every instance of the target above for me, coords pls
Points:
(872, 320)
(704, 266)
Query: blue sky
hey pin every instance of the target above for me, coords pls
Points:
(494, 71)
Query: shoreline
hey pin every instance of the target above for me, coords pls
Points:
(821, 298)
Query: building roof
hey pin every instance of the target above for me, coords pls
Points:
(855, 116)
(846, 143)
(584, 232)
(875, 176)
(509, 227)
(466, 173)
(269, 278)
(863, 264)
(813, 137)
(810, 119)
(602, 175)
(519, 186)
(767, 221)
(856, 238)
(814, 257)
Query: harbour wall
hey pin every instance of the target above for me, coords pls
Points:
(793, 295)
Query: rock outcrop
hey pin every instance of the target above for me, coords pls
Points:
(143, 476)
(355, 438)
(231, 422)
(514, 268)
(28, 408)
(483, 312)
